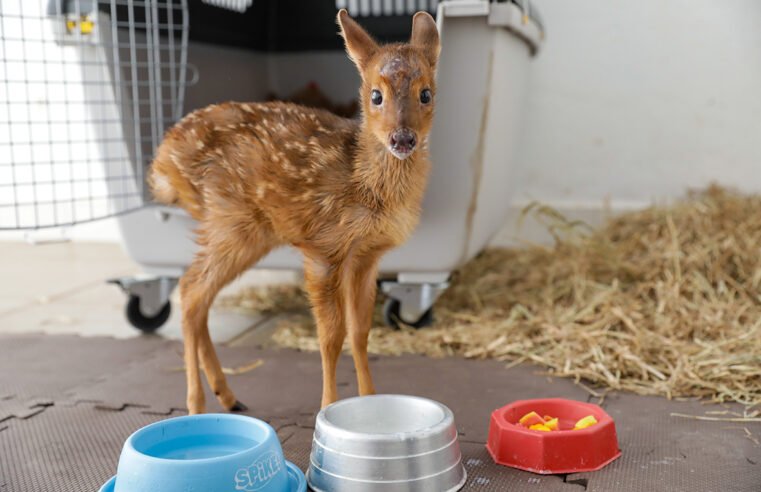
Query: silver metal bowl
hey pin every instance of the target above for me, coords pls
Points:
(386, 443)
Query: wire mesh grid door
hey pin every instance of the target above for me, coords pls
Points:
(87, 89)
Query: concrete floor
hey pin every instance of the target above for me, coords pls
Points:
(61, 289)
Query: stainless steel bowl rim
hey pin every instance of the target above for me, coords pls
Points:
(335, 431)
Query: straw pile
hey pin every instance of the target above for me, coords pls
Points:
(664, 301)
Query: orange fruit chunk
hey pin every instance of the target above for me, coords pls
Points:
(585, 422)
(533, 421)
(540, 427)
(531, 418)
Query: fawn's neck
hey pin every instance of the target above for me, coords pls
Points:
(383, 182)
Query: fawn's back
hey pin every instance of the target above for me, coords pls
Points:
(283, 170)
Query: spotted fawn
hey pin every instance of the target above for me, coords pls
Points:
(257, 176)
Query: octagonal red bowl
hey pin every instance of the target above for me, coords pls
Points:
(561, 451)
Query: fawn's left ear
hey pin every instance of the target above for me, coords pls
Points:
(426, 37)
(359, 44)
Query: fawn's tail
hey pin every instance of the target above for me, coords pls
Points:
(161, 185)
(169, 179)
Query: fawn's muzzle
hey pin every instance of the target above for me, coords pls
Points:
(402, 142)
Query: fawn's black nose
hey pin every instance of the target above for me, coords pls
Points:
(402, 142)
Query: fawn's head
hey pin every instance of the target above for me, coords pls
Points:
(398, 85)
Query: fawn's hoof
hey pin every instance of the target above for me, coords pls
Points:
(238, 407)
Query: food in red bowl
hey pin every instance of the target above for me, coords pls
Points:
(569, 449)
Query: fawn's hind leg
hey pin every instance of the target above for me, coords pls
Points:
(222, 257)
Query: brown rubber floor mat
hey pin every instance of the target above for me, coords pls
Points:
(662, 452)
(36, 370)
(73, 445)
(157, 383)
(65, 449)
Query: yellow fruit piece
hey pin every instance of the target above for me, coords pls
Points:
(587, 421)
(551, 424)
(531, 418)
(540, 427)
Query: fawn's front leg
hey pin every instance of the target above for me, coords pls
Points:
(323, 287)
(359, 293)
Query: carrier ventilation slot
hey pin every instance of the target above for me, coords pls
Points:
(377, 8)
(236, 5)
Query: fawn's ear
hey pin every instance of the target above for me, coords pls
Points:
(359, 44)
(426, 37)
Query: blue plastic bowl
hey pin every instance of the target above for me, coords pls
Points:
(219, 452)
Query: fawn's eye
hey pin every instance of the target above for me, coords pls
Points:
(425, 96)
(376, 97)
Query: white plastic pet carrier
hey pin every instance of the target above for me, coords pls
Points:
(138, 66)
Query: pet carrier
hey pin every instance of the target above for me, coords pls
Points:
(156, 59)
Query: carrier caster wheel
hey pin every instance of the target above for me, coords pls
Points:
(410, 298)
(392, 316)
(146, 324)
(148, 306)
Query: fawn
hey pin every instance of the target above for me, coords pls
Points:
(261, 175)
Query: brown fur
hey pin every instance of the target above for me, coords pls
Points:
(257, 176)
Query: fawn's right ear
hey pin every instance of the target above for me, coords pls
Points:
(425, 36)
(359, 44)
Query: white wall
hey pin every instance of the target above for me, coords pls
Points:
(637, 100)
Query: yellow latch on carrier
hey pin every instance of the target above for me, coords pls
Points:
(86, 25)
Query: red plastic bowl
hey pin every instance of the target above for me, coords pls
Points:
(561, 451)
